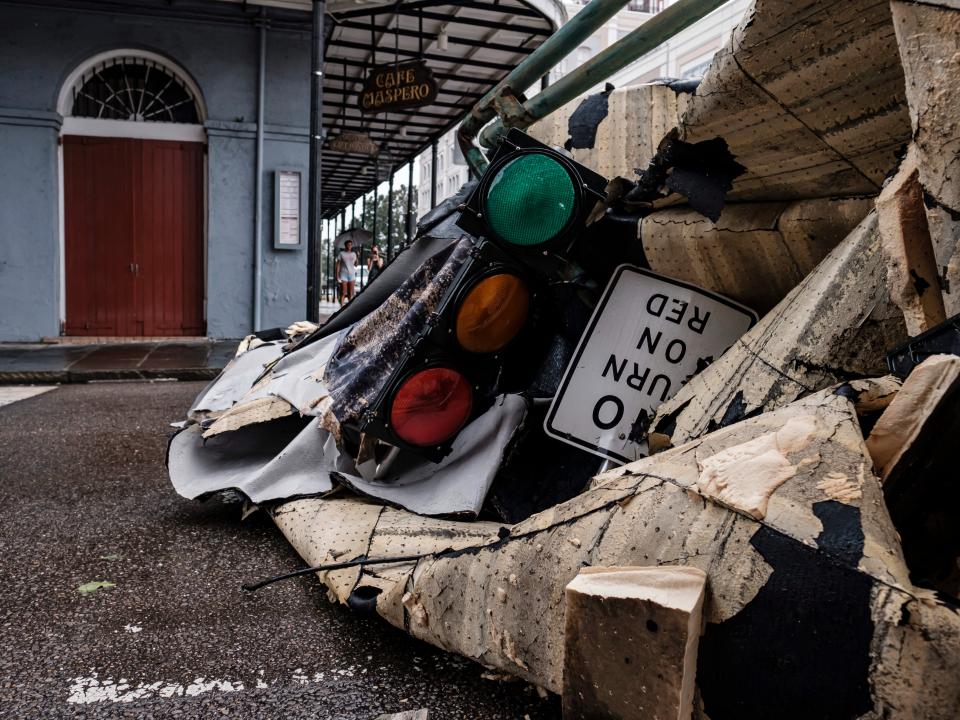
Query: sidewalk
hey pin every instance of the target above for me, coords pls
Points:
(45, 363)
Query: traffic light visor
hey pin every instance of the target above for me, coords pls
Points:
(530, 200)
(431, 406)
(492, 313)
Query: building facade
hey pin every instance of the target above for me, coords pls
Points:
(128, 173)
(688, 53)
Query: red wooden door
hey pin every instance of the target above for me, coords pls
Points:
(134, 236)
(98, 208)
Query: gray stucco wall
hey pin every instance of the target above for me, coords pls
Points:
(38, 50)
(29, 227)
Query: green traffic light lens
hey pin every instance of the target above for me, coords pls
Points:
(530, 200)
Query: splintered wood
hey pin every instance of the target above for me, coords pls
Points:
(928, 38)
(907, 416)
(780, 242)
(911, 265)
(810, 97)
(836, 324)
(763, 491)
(638, 117)
(496, 594)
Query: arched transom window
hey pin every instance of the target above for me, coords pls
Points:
(134, 89)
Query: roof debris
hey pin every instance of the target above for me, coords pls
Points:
(814, 494)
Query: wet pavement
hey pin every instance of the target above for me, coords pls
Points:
(84, 497)
(38, 362)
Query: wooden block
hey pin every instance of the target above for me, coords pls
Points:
(631, 642)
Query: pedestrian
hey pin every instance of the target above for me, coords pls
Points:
(375, 264)
(346, 271)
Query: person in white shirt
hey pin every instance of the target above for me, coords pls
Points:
(346, 271)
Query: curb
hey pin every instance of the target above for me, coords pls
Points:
(28, 377)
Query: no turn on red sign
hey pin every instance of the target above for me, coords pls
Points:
(648, 335)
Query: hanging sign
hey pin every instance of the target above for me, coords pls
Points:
(407, 84)
(355, 143)
(648, 335)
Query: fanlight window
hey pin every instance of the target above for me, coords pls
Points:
(135, 89)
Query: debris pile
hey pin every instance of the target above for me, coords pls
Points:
(788, 546)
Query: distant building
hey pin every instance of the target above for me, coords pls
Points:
(686, 55)
(155, 154)
(451, 172)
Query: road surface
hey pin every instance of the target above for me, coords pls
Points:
(84, 498)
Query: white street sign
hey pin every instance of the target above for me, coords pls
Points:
(649, 334)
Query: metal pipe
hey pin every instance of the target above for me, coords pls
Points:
(433, 175)
(314, 249)
(324, 265)
(390, 216)
(534, 66)
(408, 235)
(258, 178)
(655, 31)
(332, 259)
(376, 204)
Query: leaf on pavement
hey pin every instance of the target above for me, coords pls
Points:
(92, 587)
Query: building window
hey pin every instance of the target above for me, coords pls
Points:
(134, 89)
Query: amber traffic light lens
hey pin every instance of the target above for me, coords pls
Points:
(492, 313)
(431, 406)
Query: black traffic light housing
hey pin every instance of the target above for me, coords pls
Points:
(489, 374)
(589, 188)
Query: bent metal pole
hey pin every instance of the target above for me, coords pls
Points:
(658, 29)
(537, 64)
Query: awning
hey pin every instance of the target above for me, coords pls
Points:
(469, 46)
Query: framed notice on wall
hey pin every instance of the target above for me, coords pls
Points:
(287, 209)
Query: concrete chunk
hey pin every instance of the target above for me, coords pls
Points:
(631, 642)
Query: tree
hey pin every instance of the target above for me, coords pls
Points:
(401, 235)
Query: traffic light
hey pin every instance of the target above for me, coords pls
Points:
(467, 353)
(489, 333)
(531, 198)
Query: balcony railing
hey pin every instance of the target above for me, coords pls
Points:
(644, 6)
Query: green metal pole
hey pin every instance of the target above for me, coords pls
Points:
(658, 29)
(554, 49)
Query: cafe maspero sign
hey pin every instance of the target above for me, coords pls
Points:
(355, 143)
(398, 85)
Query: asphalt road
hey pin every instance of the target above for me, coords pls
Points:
(84, 497)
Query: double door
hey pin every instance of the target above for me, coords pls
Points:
(133, 220)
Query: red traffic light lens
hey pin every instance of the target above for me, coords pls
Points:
(492, 313)
(431, 406)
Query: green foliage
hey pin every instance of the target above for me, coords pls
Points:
(400, 235)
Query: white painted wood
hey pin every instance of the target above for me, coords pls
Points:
(129, 129)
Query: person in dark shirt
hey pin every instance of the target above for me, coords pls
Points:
(375, 263)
